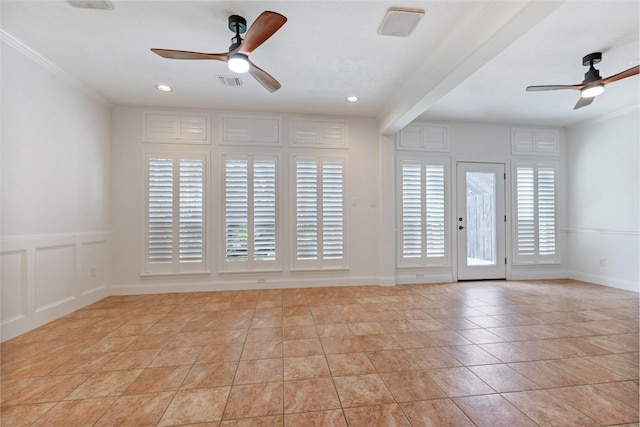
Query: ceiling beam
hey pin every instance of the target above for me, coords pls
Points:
(486, 30)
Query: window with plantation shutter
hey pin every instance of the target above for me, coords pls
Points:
(535, 216)
(422, 213)
(250, 241)
(175, 231)
(319, 213)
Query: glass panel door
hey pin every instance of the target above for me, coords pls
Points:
(481, 221)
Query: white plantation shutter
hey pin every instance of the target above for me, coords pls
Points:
(175, 203)
(434, 211)
(423, 213)
(332, 211)
(320, 215)
(160, 211)
(546, 212)
(411, 210)
(535, 218)
(525, 211)
(236, 208)
(250, 213)
(191, 244)
(306, 210)
(264, 208)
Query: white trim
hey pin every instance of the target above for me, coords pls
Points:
(608, 281)
(599, 231)
(36, 57)
(245, 284)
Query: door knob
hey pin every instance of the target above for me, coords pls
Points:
(460, 228)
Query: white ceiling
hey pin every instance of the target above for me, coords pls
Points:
(466, 60)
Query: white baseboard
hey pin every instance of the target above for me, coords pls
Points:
(611, 282)
(246, 284)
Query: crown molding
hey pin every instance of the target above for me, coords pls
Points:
(39, 59)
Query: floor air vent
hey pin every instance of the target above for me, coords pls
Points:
(229, 81)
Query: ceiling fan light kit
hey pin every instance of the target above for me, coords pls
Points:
(592, 85)
(237, 58)
(591, 91)
(238, 63)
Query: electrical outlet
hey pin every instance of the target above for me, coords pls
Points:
(93, 271)
(419, 275)
(262, 281)
(602, 262)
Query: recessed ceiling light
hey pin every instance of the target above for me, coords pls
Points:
(352, 99)
(164, 88)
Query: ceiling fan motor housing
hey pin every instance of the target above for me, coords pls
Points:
(592, 74)
(237, 24)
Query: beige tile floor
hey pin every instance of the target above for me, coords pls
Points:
(484, 354)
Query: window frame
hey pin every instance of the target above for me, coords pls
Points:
(250, 265)
(175, 267)
(320, 262)
(536, 257)
(423, 260)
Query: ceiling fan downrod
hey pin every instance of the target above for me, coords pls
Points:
(592, 74)
(238, 25)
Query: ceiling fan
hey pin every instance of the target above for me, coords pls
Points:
(593, 84)
(237, 58)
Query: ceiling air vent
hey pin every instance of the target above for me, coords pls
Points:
(91, 4)
(400, 22)
(229, 81)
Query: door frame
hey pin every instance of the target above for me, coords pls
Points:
(507, 211)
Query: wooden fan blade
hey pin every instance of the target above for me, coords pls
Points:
(583, 102)
(263, 27)
(627, 73)
(263, 78)
(185, 54)
(554, 87)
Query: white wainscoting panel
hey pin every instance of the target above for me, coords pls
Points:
(604, 257)
(46, 277)
(14, 285)
(55, 275)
